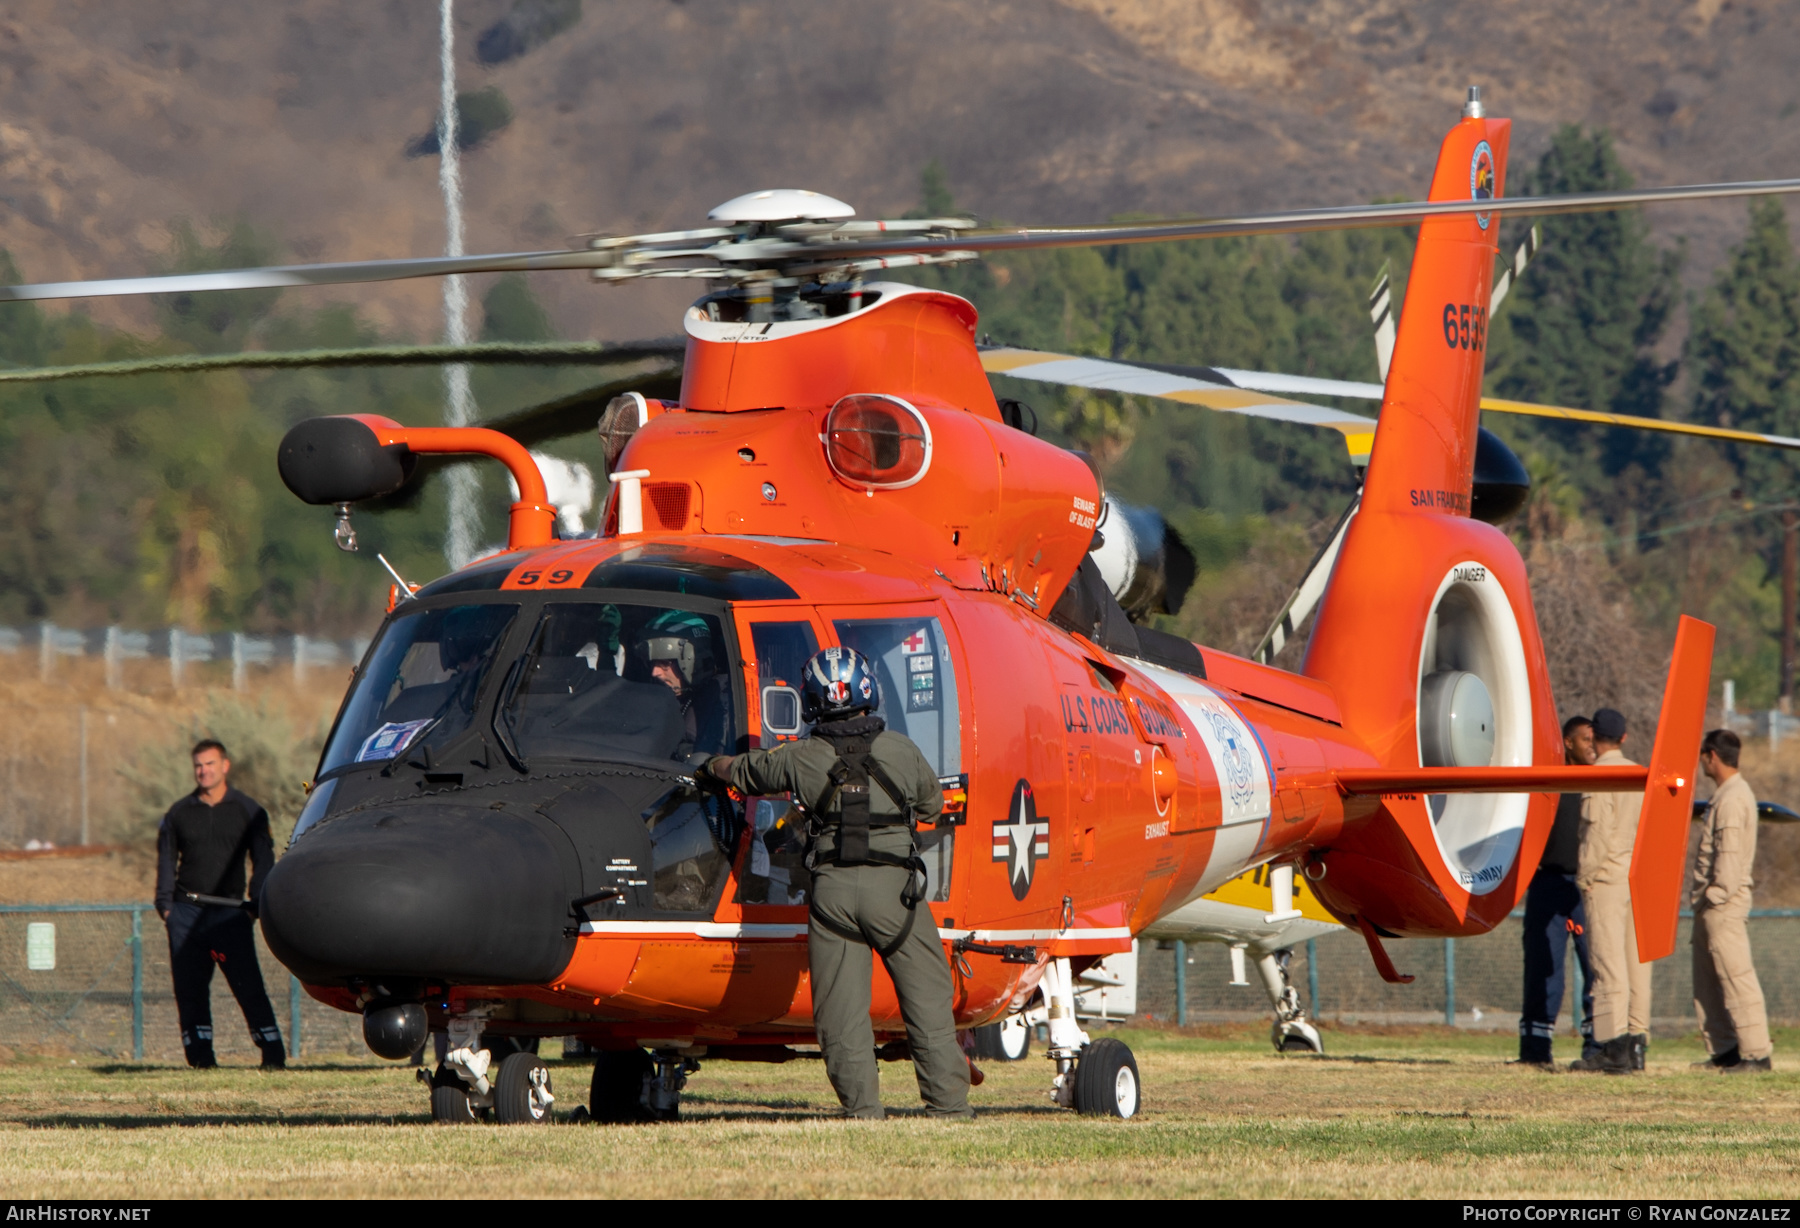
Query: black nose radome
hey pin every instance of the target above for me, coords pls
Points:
(424, 890)
(395, 1029)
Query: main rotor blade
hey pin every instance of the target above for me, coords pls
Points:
(727, 254)
(1232, 391)
(485, 353)
(1204, 386)
(1639, 424)
(1302, 221)
(309, 275)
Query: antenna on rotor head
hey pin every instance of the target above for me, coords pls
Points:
(1472, 109)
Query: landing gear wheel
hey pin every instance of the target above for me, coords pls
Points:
(450, 1099)
(1006, 1041)
(617, 1094)
(450, 1107)
(1106, 1080)
(522, 1091)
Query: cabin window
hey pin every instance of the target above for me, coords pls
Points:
(918, 682)
(919, 699)
(420, 683)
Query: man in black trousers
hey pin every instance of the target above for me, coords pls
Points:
(200, 849)
(1554, 919)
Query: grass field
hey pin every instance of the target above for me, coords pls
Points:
(1388, 1113)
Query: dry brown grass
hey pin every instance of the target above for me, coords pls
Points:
(137, 741)
(1412, 1113)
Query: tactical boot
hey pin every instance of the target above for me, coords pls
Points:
(1616, 1054)
(1750, 1065)
(1612, 1057)
(1534, 1052)
(1640, 1049)
(1591, 1061)
(1718, 1061)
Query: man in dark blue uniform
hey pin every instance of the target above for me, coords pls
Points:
(1555, 920)
(201, 848)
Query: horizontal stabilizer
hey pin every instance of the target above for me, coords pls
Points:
(1662, 834)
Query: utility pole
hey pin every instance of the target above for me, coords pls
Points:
(1790, 572)
(463, 526)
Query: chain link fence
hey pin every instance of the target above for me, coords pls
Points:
(1464, 982)
(92, 980)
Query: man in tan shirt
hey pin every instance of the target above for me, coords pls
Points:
(1727, 994)
(1609, 823)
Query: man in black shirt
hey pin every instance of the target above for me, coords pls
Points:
(1554, 917)
(200, 849)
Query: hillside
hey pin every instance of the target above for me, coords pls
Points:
(119, 118)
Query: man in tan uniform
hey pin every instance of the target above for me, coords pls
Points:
(1609, 823)
(1726, 991)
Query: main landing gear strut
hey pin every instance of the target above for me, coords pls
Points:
(632, 1085)
(461, 1091)
(1292, 1032)
(1097, 1078)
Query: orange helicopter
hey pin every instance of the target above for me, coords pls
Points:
(506, 840)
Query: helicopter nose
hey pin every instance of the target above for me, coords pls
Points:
(447, 893)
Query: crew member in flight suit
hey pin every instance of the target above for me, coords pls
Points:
(1555, 921)
(1726, 991)
(1609, 824)
(863, 787)
(200, 851)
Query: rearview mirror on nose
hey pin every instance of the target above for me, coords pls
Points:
(781, 711)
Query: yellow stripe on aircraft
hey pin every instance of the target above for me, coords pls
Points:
(1251, 890)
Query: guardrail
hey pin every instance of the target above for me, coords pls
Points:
(117, 645)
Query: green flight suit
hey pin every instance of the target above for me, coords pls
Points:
(856, 909)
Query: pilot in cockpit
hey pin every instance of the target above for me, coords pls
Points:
(677, 646)
(464, 639)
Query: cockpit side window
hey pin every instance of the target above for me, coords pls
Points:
(603, 679)
(777, 875)
(420, 683)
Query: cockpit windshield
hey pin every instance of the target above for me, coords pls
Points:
(604, 679)
(420, 684)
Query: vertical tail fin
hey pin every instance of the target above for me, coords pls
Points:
(1662, 835)
(1424, 453)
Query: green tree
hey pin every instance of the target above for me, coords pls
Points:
(511, 312)
(1583, 326)
(217, 321)
(1745, 346)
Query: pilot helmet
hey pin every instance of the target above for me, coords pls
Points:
(681, 638)
(838, 682)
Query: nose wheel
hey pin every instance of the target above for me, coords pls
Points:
(522, 1095)
(451, 1104)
